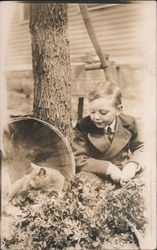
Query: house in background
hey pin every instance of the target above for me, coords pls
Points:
(119, 29)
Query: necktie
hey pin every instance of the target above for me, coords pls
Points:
(110, 134)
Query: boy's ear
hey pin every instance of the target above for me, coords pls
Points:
(119, 106)
(118, 109)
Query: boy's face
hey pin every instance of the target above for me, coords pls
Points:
(102, 111)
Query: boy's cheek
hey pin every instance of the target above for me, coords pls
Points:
(91, 117)
(109, 117)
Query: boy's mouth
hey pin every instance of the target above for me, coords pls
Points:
(98, 124)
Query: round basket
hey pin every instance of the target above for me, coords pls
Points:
(29, 140)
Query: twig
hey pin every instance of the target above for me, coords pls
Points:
(136, 233)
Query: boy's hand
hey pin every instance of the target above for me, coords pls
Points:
(129, 171)
(114, 172)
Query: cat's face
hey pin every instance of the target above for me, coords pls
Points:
(39, 180)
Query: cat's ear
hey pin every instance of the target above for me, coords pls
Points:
(35, 167)
(42, 172)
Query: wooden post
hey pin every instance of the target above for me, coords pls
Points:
(92, 35)
(80, 107)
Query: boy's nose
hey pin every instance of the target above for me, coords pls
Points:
(97, 117)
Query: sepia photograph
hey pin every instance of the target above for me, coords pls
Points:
(78, 125)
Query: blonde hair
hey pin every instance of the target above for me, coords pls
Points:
(107, 88)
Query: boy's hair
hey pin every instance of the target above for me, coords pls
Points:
(106, 88)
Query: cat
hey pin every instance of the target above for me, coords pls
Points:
(41, 178)
(47, 179)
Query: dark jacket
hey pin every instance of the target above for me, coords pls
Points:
(93, 151)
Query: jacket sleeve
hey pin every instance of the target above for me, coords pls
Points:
(83, 157)
(136, 146)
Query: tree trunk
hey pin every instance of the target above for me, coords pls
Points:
(51, 65)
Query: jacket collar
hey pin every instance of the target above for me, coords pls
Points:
(101, 142)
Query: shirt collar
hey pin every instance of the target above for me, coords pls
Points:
(112, 126)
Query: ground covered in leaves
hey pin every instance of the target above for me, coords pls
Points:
(82, 218)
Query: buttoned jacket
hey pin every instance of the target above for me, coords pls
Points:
(93, 151)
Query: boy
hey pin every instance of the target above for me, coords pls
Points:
(106, 142)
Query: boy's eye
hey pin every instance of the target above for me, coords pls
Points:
(103, 112)
(92, 111)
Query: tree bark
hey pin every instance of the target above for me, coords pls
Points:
(51, 65)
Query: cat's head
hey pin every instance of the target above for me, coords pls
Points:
(39, 179)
